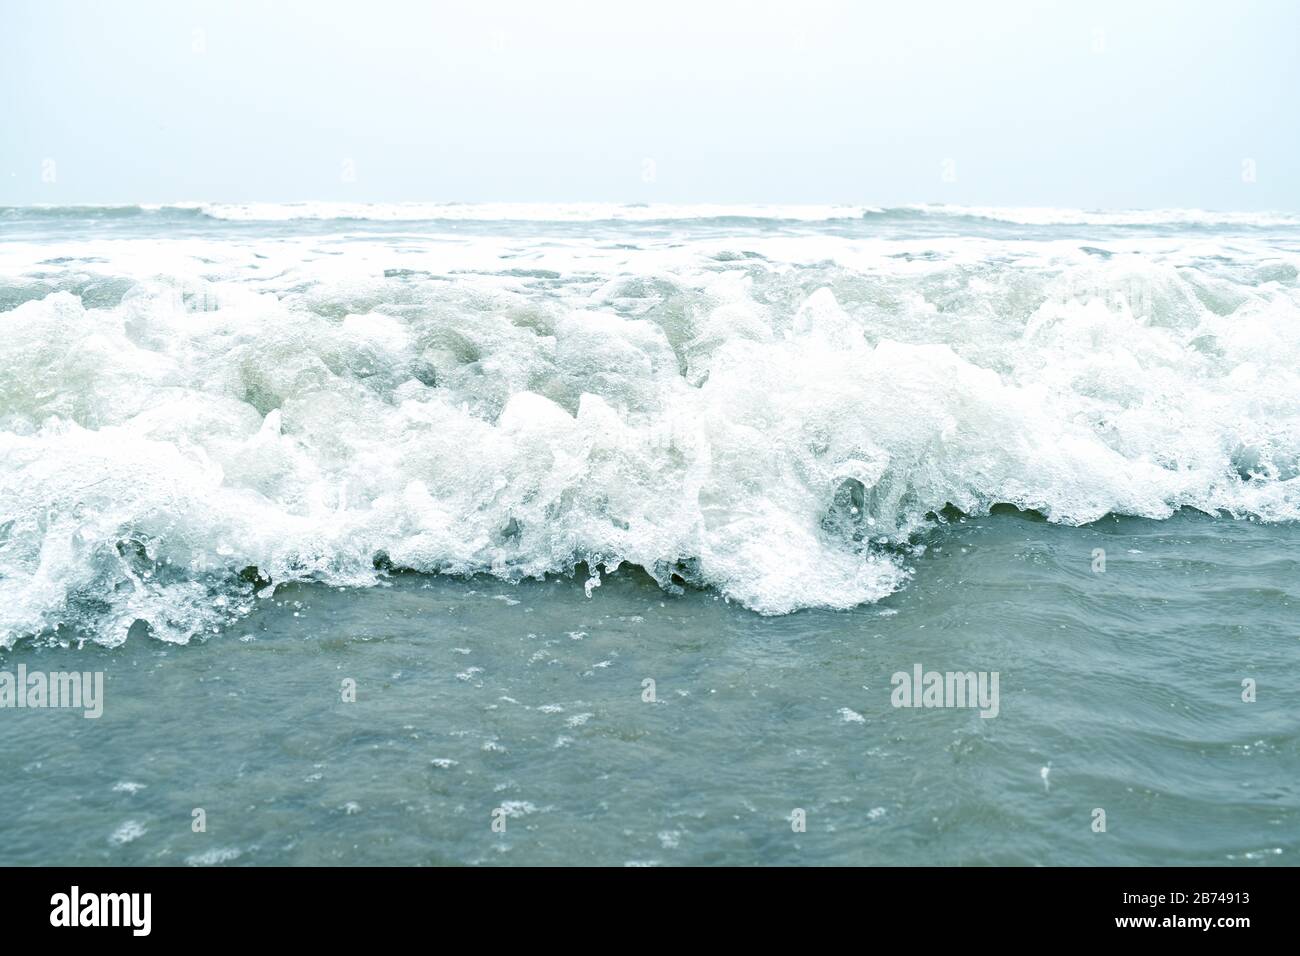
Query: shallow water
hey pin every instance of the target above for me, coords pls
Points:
(474, 695)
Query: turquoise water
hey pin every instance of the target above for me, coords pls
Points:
(473, 695)
(617, 523)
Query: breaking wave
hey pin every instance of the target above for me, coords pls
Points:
(185, 425)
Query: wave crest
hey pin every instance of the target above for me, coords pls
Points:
(780, 433)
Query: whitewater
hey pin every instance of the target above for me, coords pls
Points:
(782, 405)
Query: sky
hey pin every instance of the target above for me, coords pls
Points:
(1096, 104)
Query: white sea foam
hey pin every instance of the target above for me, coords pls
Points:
(771, 416)
(128, 832)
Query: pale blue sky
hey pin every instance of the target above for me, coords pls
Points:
(1091, 104)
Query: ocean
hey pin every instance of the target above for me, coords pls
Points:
(455, 534)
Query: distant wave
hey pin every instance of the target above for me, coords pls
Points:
(528, 212)
(43, 213)
(648, 212)
(429, 212)
(1048, 216)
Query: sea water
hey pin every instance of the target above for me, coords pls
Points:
(432, 534)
